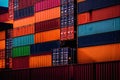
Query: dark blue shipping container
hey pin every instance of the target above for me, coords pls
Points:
(89, 5)
(99, 39)
(25, 12)
(9, 43)
(44, 47)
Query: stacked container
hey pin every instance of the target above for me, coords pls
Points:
(98, 31)
(63, 56)
(67, 19)
(5, 60)
(23, 31)
(47, 32)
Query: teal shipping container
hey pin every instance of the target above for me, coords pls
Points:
(99, 27)
(23, 40)
(21, 51)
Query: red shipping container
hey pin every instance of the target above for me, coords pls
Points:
(2, 54)
(63, 33)
(11, 10)
(46, 4)
(47, 25)
(20, 63)
(4, 17)
(25, 3)
(70, 33)
(100, 14)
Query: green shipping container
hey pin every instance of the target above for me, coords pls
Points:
(21, 51)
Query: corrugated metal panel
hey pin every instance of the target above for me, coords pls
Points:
(25, 30)
(42, 5)
(99, 27)
(2, 44)
(83, 72)
(20, 63)
(21, 51)
(99, 39)
(2, 54)
(101, 53)
(63, 33)
(47, 25)
(108, 71)
(24, 40)
(100, 14)
(47, 14)
(44, 47)
(24, 22)
(25, 12)
(40, 61)
(92, 5)
(2, 35)
(2, 63)
(9, 43)
(47, 36)
(71, 33)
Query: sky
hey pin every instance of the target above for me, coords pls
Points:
(4, 3)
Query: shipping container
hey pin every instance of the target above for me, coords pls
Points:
(84, 72)
(47, 25)
(70, 33)
(2, 44)
(2, 35)
(9, 43)
(63, 56)
(9, 33)
(24, 40)
(44, 47)
(102, 53)
(2, 63)
(99, 27)
(46, 36)
(80, 1)
(47, 14)
(2, 54)
(20, 63)
(4, 17)
(63, 33)
(25, 30)
(25, 3)
(21, 51)
(93, 5)
(46, 4)
(25, 12)
(24, 22)
(40, 61)
(9, 21)
(99, 39)
(100, 14)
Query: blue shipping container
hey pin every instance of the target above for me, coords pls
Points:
(89, 5)
(99, 27)
(44, 47)
(99, 39)
(25, 12)
(23, 40)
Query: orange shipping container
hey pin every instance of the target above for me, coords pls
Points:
(2, 35)
(2, 44)
(24, 22)
(10, 21)
(47, 14)
(47, 36)
(25, 30)
(2, 63)
(102, 53)
(40, 61)
(80, 0)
